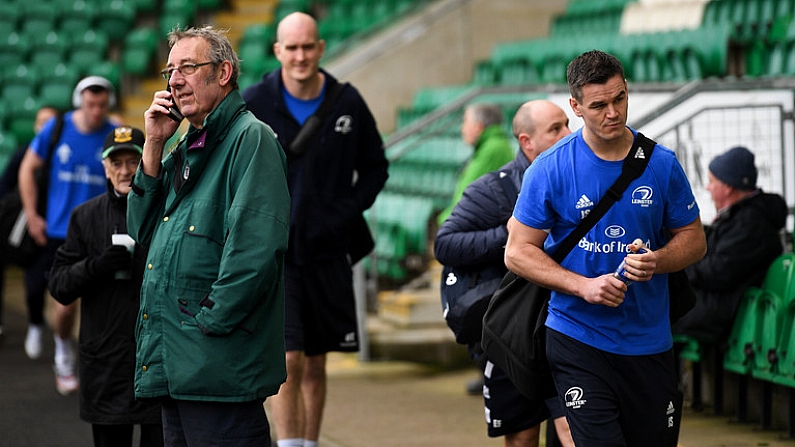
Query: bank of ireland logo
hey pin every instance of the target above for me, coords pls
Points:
(615, 231)
(642, 196)
(574, 397)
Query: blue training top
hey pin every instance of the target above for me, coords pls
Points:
(560, 188)
(301, 109)
(76, 172)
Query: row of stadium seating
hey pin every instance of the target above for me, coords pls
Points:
(339, 21)
(761, 344)
(763, 31)
(46, 46)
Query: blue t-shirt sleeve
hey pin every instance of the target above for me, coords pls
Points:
(682, 207)
(40, 143)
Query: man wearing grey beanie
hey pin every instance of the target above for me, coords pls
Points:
(742, 242)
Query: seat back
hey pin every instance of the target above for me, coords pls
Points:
(739, 351)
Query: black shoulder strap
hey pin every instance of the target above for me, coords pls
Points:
(43, 174)
(55, 137)
(507, 185)
(312, 124)
(331, 96)
(633, 167)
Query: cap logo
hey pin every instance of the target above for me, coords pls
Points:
(122, 134)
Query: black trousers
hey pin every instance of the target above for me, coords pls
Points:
(121, 435)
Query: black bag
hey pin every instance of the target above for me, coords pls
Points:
(514, 335)
(466, 292)
(514, 326)
(465, 296)
(682, 297)
(18, 247)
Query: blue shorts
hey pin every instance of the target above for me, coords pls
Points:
(613, 400)
(320, 310)
(507, 410)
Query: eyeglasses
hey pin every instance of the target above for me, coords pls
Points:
(184, 70)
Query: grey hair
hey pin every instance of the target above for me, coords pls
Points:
(486, 114)
(220, 47)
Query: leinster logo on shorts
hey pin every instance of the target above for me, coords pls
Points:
(574, 397)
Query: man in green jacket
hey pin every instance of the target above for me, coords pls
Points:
(481, 128)
(215, 214)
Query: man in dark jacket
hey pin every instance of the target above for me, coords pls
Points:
(89, 265)
(742, 242)
(474, 237)
(332, 179)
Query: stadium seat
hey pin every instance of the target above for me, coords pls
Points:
(15, 43)
(116, 18)
(785, 375)
(140, 47)
(50, 51)
(9, 16)
(147, 6)
(19, 83)
(780, 277)
(770, 313)
(88, 50)
(740, 353)
(38, 17)
(8, 143)
(485, 73)
(77, 16)
(57, 94)
(22, 117)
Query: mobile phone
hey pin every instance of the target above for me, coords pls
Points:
(173, 111)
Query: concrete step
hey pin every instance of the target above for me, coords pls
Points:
(409, 325)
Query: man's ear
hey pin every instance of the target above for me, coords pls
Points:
(575, 107)
(225, 72)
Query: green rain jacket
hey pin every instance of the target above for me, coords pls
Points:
(211, 322)
(492, 151)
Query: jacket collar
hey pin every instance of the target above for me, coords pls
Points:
(490, 132)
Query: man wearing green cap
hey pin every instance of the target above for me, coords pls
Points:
(101, 264)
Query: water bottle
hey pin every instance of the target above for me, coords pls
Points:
(636, 247)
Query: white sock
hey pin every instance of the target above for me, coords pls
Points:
(308, 443)
(63, 349)
(292, 442)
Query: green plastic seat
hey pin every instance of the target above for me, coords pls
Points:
(770, 317)
(22, 118)
(116, 18)
(57, 94)
(8, 143)
(19, 83)
(77, 16)
(140, 48)
(785, 373)
(739, 352)
(9, 16)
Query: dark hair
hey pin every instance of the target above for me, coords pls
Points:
(591, 67)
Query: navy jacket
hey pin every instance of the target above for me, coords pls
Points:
(326, 202)
(475, 233)
(741, 244)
